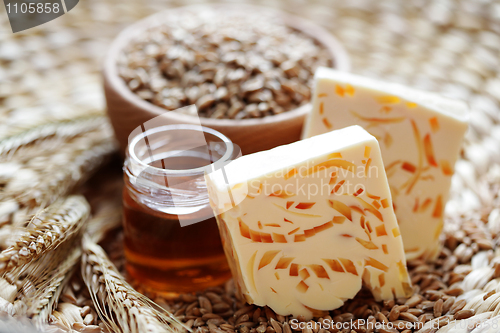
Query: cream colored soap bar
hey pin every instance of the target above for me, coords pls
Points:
(303, 225)
(420, 135)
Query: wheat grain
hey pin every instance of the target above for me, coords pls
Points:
(46, 231)
(226, 84)
(431, 298)
(66, 316)
(121, 307)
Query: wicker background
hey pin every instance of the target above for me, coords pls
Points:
(446, 46)
(452, 47)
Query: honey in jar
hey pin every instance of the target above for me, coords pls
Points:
(172, 243)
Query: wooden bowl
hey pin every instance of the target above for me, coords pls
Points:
(127, 111)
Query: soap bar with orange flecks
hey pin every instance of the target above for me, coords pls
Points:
(305, 224)
(420, 135)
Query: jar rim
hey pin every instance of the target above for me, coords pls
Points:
(210, 167)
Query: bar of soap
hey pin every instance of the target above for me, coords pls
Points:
(305, 224)
(420, 136)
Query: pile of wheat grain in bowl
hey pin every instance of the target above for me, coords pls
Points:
(232, 64)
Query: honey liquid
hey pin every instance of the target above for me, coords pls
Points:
(165, 257)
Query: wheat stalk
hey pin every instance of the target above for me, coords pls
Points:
(49, 177)
(122, 309)
(44, 136)
(81, 163)
(46, 231)
(48, 289)
(107, 217)
(41, 261)
(42, 303)
(49, 274)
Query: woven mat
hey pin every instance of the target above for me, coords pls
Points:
(446, 46)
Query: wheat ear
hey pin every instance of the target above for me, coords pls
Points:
(53, 176)
(46, 231)
(106, 218)
(45, 136)
(122, 309)
(48, 288)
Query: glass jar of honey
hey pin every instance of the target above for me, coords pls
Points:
(172, 243)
